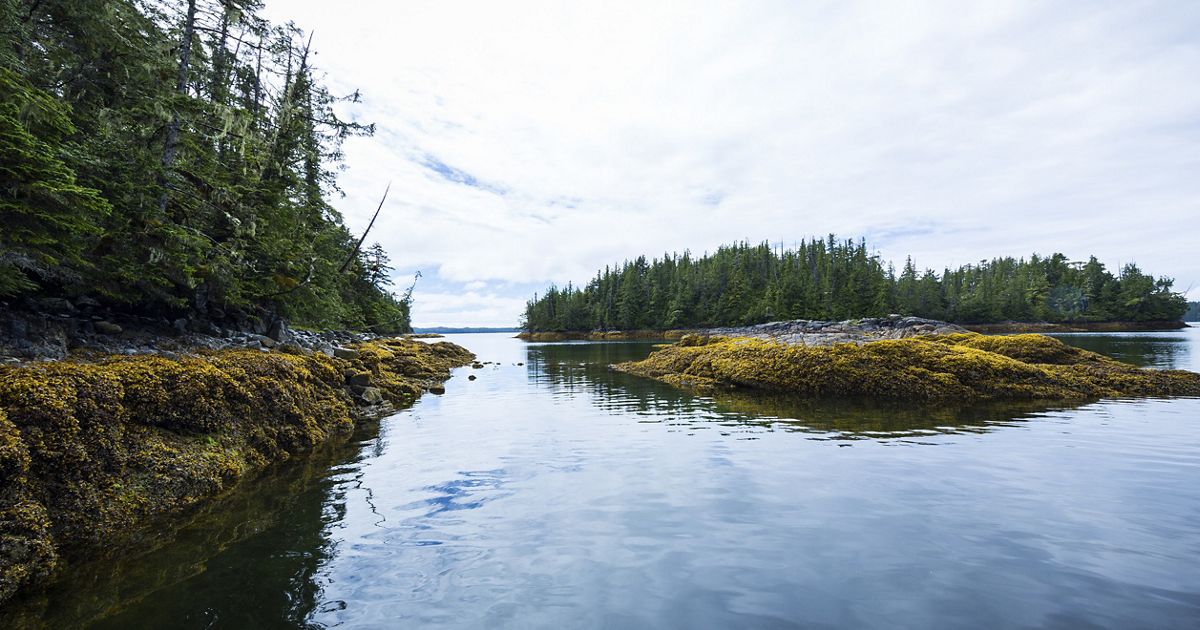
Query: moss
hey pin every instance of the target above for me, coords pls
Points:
(91, 449)
(959, 367)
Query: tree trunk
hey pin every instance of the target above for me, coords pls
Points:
(172, 142)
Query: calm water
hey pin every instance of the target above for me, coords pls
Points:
(558, 494)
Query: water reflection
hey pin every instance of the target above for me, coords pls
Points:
(1163, 350)
(559, 493)
(582, 369)
(194, 573)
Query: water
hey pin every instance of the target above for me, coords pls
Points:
(559, 494)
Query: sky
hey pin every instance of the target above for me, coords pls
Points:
(530, 143)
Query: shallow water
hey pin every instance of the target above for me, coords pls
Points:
(560, 494)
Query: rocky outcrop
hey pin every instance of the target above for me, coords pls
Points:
(42, 334)
(960, 367)
(90, 450)
(811, 332)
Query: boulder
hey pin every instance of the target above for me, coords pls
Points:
(55, 305)
(348, 354)
(371, 395)
(105, 327)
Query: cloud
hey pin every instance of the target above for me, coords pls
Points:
(535, 142)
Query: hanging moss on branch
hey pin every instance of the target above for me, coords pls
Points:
(964, 366)
(89, 450)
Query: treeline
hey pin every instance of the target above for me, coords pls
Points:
(834, 280)
(1193, 312)
(177, 158)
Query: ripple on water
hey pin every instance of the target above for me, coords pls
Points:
(562, 494)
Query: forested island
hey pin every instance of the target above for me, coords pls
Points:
(177, 160)
(832, 279)
(1193, 312)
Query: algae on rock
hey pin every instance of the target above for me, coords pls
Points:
(965, 366)
(89, 450)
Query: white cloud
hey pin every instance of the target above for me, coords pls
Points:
(571, 135)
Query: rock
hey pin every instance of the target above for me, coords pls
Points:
(359, 379)
(55, 305)
(105, 327)
(279, 331)
(348, 354)
(86, 302)
(18, 328)
(476, 365)
(437, 389)
(471, 377)
(371, 395)
(263, 340)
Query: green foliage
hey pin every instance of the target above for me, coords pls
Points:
(834, 280)
(177, 158)
(46, 215)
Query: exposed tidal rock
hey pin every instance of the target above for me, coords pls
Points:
(29, 335)
(961, 366)
(811, 332)
(89, 451)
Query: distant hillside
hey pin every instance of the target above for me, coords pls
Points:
(1193, 312)
(828, 279)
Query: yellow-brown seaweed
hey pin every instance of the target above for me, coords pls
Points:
(89, 449)
(964, 366)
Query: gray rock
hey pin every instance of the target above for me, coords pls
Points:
(348, 354)
(371, 395)
(55, 305)
(86, 302)
(107, 328)
(821, 333)
(279, 331)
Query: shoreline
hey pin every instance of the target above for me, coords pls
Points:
(96, 450)
(906, 367)
(1047, 327)
(999, 328)
(604, 335)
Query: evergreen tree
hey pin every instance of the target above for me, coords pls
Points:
(831, 279)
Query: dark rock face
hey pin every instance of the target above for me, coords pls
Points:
(34, 333)
(809, 332)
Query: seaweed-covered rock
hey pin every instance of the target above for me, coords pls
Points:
(963, 366)
(90, 449)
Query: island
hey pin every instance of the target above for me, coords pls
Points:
(900, 358)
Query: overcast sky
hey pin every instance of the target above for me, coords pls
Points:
(535, 142)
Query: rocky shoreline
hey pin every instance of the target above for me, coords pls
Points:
(68, 331)
(96, 446)
(901, 359)
(807, 332)
(823, 333)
